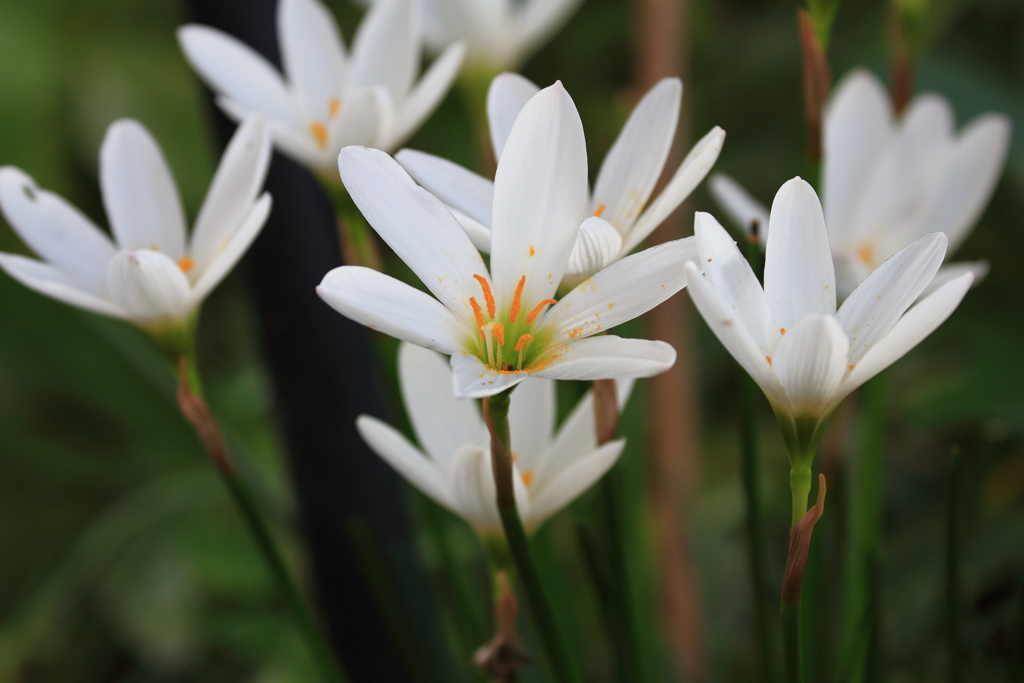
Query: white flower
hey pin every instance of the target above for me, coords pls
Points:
(151, 273)
(789, 337)
(551, 467)
(501, 324)
(328, 99)
(624, 185)
(888, 180)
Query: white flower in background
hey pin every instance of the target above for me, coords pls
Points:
(328, 99)
(152, 273)
(499, 34)
(551, 467)
(888, 180)
(624, 185)
(501, 324)
(789, 337)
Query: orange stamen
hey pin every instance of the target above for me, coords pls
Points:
(477, 313)
(319, 131)
(517, 300)
(600, 209)
(521, 344)
(488, 297)
(536, 311)
(333, 107)
(186, 264)
(499, 334)
(527, 477)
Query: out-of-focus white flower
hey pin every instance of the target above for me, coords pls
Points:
(152, 273)
(327, 98)
(501, 324)
(888, 180)
(551, 467)
(789, 337)
(623, 188)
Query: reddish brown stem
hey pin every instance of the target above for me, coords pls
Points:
(817, 82)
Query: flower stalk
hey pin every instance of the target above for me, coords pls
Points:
(194, 409)
(495, 409)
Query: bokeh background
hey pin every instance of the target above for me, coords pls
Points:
(121, 558)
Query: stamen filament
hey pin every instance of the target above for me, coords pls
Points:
(488, 297)
(488, 332)
(517, 300)
(499, 341)
(536, 311)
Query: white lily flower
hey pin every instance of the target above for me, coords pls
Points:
(151, 273)
(328, 99)
(888, 180)
(551, 467)
(502, 325)
(624, 184)
(499, 34)
(805, 355)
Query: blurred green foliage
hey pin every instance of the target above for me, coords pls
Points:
(122, 557)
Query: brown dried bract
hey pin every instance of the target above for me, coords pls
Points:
(799, 544)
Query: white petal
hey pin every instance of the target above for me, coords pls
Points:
(540, 20)
(730, 274)
(416, 225)
(363, 118)
(56, 231)
(506, 97)
(312, 53)
(473, 379)
(858, 125)
(607, 357)
(916, 324)
(596, 246)
(884, 295)
(687, 177)
(233, 191)
(396, 451)
(48, 280)
(810, 361)
(531, 419)
(296, 142)
(798, 272)
(457, 187)
(428, 92)
(234, 69)
(951, 271)
(731, 331)
(149, 286)
(743, 210)
(622, 291)
(471, 482)
(390, 306)
(479, 234)
(386, 48)
(634, 163)
(539, 194)
(230, 253)
(139, 193)
(441, 422)
(572, 482)
(974, 169)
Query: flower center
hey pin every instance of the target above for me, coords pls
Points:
(510, 341)
(318, 129)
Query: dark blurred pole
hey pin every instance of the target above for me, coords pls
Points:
(662, 50)
(322, 366)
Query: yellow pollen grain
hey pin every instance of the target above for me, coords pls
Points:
(186, 264)
(333, 107)
(319, 131)
(866, 253)
(782, 330)
(527, 477)
(769, 359)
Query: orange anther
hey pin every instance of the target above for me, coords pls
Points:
(319, 131)
(488, 297)
(517, 300)
(499, 334)
(536, 311)
(521, 344)
(333, 107)
(186, 264)
(477, 313)
(599, 210)
(527, 477)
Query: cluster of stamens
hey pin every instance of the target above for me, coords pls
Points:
(318, 129)
(492, 332)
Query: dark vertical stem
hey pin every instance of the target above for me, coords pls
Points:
(495, 409)
(953, 569)
(791, 641)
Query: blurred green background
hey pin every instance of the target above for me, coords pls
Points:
(121, 558)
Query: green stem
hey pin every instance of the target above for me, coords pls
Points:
(800, 488)
(953, 570)
(496, 416)
(791, 640)
(331, 670)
